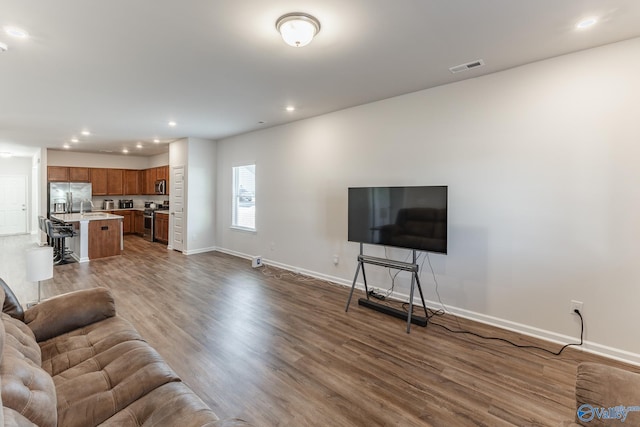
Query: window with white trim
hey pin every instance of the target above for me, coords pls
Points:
(244, 197)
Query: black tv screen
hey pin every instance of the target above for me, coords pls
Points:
(405, 217)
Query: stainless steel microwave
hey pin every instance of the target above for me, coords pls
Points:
(161, 186)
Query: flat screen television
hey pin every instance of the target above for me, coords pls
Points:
(404, 217)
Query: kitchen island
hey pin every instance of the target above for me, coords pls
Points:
(98, 234)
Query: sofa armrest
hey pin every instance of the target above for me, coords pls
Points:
(67, 312)
(602, 386)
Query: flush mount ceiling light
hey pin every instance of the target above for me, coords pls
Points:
(297, 29)
(172, 124)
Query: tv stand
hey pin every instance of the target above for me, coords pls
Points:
(396, 265)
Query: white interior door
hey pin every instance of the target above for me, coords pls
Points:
(177, 208)
(13, 204)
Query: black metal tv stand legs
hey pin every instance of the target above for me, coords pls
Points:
(397, 265)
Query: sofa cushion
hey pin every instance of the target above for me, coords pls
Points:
(70, 349)
(601, 387)
(96, 389)
(172, 404)
(11, 306)
(18, 335)
(67, 312)
(26, 388)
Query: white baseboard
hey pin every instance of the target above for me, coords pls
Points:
(199, 251)
(588, 346)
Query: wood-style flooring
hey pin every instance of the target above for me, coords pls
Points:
(279, 351)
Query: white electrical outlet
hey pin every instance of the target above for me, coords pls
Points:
(256, 261)
(575, 305)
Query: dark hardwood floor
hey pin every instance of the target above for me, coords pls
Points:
(278, 351)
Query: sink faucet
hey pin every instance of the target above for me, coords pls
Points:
(82, 205)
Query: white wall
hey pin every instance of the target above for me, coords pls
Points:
(198, 156)
(542, 167)
(201, 200)
(97, 160)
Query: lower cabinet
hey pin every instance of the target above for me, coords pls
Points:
(138, 223)
(161, 228)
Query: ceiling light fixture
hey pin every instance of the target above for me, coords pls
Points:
(290, 108)
(66, 146)
(138, 145)
(74, 140)
(125, 151)
(172, 124)
(586, 23)
(157, 141)
(86, 133)
(16, 32)
(297, 29)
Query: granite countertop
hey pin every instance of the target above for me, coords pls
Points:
(89, 216)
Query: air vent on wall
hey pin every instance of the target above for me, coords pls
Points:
(468, 66)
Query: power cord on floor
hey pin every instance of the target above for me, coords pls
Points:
(462, 331)
(534, 347)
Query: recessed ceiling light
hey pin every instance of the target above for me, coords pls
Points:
(5, 154)
(290, 108)
(157, 141)
(586, 23)
(172, 124)
(86, 133)
(139, 145)
(66, 146)
(74, 140)
(125, 151)
(16, 32)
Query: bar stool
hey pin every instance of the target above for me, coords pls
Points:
(58, 233)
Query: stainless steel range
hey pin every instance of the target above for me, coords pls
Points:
(148, 224)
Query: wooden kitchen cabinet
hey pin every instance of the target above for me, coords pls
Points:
(127, 221)
(98, 181)
(58, 173)
(79, 174)
(161, 228)
(104, 238)
(138, 222)
(115, 182)
(132, 182)
(162, 172)
(149, 181)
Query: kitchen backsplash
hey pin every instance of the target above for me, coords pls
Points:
(138, 201)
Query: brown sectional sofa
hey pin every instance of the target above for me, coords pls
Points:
(606, 396)
(71, 361)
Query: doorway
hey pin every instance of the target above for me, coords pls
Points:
(13, 204)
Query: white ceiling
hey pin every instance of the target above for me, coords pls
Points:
(122, 69)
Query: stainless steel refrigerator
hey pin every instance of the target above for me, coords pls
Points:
(65, 197)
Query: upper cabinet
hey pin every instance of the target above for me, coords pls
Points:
(150, 181)
(67, 174)
(79, 175)
(132, 182)
(98, 181)
(115, 182)
(112, 182)
(57, 173)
